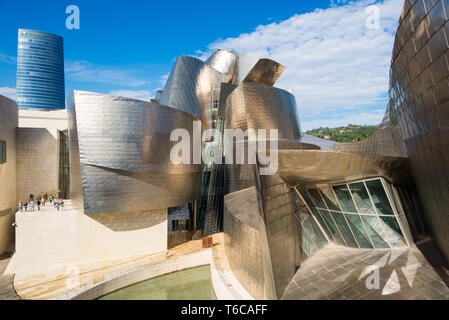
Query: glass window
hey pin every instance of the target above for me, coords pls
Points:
(306, 243)
(215, 104)
(333, 228)
(317, 198)
(375, 232)
(344, 229)
(357, 227)
(361, 198)
(314, 231)
(329, 198)
(2, 151)
(307, 199)
(345, 199)
(320, 219)
(357, 214)
(379, 197)
(297, 203)
(393, 232)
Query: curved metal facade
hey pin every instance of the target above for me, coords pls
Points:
(223, 61)
(120, 155)
(266, 71)
(256, 106)
(40, 70)
(192, 87)
(419, 99)
(416, 123)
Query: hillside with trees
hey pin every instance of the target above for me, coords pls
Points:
(351, 133)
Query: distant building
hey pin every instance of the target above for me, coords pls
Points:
(40, 71)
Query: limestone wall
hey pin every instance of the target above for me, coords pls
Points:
(37, 161)
(54, 240)
(8, 124)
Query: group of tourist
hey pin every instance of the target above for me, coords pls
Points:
(31, 204)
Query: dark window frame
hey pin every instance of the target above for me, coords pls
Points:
(2, 151)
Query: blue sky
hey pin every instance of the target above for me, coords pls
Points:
(129, 47)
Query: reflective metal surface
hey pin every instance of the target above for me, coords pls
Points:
(256, 106)
(269, 224)
(418, 112)
(223, 61)
(266, 71)
(192, 87)
(320, 166)
(120, 155)
(246, 62)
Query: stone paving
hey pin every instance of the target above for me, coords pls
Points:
(342, 273)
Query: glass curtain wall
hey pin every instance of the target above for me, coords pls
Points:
(210, 213)
(361, 214)
(311, 236)
(64, 168)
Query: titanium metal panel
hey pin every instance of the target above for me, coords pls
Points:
(418, 116)
(266, 72)
(245, 64)
(256, 106)
(223, 61)
(120, 155)
(319, 166)
(192, 87)
(271, 108)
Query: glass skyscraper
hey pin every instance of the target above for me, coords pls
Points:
(40, 71)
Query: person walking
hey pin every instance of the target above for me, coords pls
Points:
(38, 205)
(25, 206)
(62, 204)
(32, 206)
(20, 206)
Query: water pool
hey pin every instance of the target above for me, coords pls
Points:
(190, 284)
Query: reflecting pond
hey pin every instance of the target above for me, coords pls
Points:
(190, 284)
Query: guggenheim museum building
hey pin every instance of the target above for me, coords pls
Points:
(387, 192)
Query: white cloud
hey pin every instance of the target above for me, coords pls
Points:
(335, 64)
(7, 59)
(8, 92)
(88, 72)
(134, 94)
